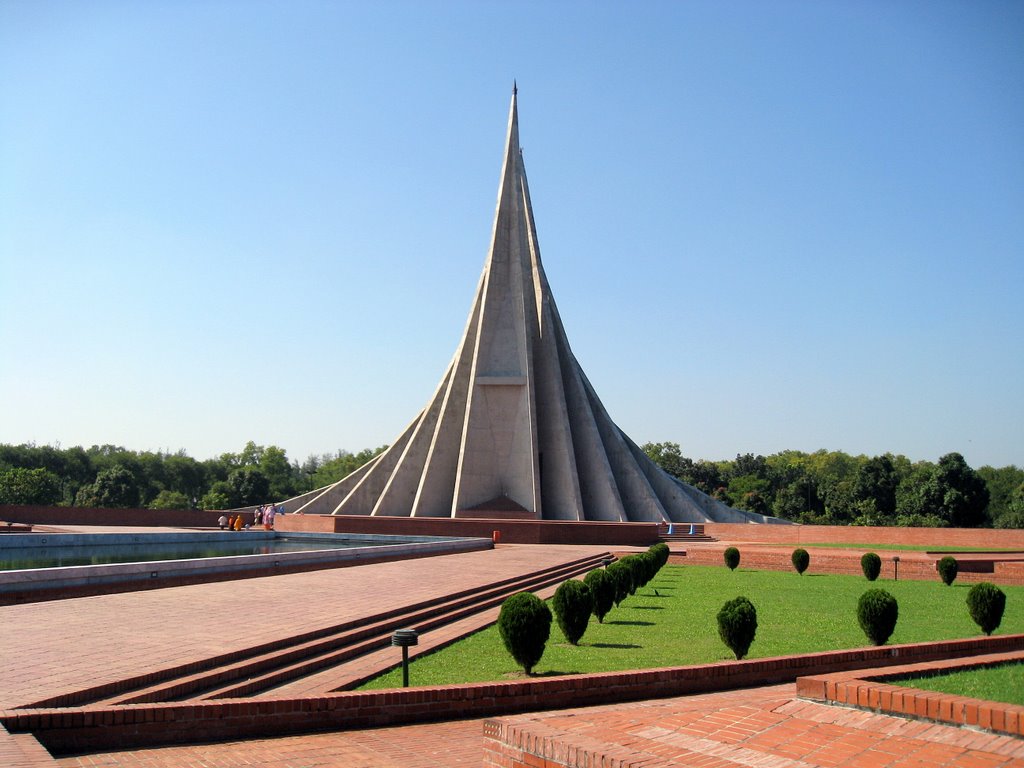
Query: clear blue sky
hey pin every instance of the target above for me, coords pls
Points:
(768, 226)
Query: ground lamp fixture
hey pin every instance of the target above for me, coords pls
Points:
(896, 568)
(606, 561)
(404, 638)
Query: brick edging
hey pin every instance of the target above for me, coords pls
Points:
(871, 692)
(81, 729)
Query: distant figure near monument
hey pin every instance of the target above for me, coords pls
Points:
(515, 429)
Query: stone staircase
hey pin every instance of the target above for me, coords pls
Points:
(686, 533)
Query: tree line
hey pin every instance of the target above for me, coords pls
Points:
(824, 487)
(113, 476)
(835, 488)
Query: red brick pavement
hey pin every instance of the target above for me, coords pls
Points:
(70, 645)
(760, 728)
(766, 727)
(458, 743)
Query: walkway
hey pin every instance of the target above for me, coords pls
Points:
(766, 727)
(69, 645)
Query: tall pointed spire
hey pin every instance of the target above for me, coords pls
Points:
(514, 427)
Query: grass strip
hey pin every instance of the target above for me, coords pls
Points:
(1004, 683)
(672, 622)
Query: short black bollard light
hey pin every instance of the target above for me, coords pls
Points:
(606, 561)
(896, 568)
(404, 638)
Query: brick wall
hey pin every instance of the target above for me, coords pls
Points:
(83, 729)
(178, 518)
(510, 531)
(853, 534)
(917, 566)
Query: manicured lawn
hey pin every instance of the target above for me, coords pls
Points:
(1003, 683)
(796, 614)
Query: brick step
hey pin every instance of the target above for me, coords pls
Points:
(297, 655)
(112, 693)
(380, 636)
(685, 537)
(385, 657)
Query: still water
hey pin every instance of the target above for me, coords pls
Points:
(105, 554)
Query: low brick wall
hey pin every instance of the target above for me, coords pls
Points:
(510, 531)
(802, 535)
(83, 729)
(176, 518)
(917, 566)
(873, 693)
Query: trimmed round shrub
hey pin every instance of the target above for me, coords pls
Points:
(737, 625)
(661, 554)
(871, 564)
(524, 624)
(602, 590)
(650, 566)
(573, 604)
(622, 578)
(732, 558)
(636, 569)
(877, 612)
(801, 560)
(948, 569)
(986, 602)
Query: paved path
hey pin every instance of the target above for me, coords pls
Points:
(760, 728)
(70, 645)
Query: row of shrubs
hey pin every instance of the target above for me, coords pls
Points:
(877, 612)
(524, 622)
(870, 563)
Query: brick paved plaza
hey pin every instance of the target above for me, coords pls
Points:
(56, 648)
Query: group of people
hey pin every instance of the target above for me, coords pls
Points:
(264, 515)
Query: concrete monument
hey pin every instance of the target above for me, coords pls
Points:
(515, 429)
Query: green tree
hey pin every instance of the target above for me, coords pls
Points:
(170, 500)
(737, 625)
(185, 475)
(986, 603)
(800, 560)
(948, 568)
(1013, 516)
(114, 487)
(524, 624)
(342, 464)
(622, 578)
(29, 486)
(573, 603)
(602, 588)
(965, 496)
(215, 499)
(281, 476)
(914, 502)
(668, 457)
(1001, 484)
(876, 481)
(877, 613)
(798, 501)
(248, 486)
(731, 555)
